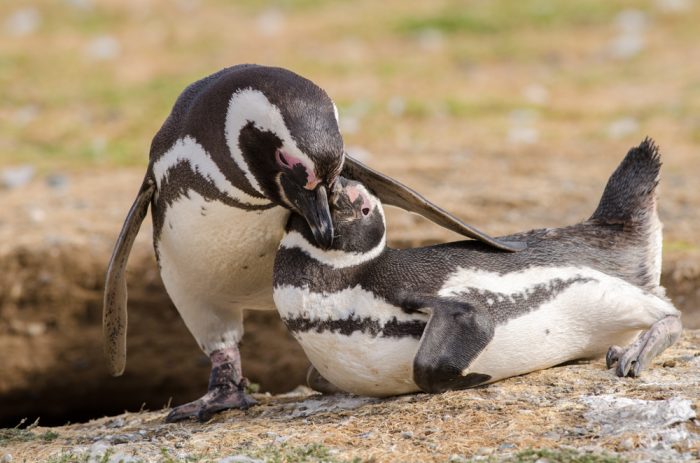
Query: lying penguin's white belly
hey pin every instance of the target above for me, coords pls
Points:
(365, 362)
(580, 322)
(217, 260)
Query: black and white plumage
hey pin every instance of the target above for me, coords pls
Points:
(380, 321)
(239, 151)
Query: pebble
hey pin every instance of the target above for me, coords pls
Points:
(57, 181)
(7, 458)
(623, 127)
(116, 423)
(23, 22)
(239, 459)
(270, 23)
(407, 435)
(431, 40)
(103, 48)
(18, 176)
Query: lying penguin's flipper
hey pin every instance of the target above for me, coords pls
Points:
(396, 194)
(114, 316)
(455, 335)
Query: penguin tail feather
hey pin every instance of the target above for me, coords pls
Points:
(629, 205)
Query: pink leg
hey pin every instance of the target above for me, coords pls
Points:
(226, 389)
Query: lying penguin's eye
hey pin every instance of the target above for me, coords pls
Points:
(282, 159)
(365, 211)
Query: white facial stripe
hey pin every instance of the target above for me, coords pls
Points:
(187, 149)
(333, 257)
(248, 105)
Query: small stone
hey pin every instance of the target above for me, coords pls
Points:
(536, 94)
(623, 127)
(57, 181)
(366, 435)
(506, 445)
(669, 364)
(83, 5)
(36, 329)
(431, 40)
(270, 23)
(396, 106)
(18, 176)
(23, 22)
(115, 423)
(37, 214)
(103, 48)
(674, 6)
(6, 458)
(407, 435)
(239, 459)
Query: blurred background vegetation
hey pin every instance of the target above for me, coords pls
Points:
(86, 83)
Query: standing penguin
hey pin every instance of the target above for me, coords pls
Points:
(239, 151)
(380, 321)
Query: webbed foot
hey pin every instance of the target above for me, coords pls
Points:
(226, 390)
(631, 360)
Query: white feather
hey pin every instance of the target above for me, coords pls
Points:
(187, 149)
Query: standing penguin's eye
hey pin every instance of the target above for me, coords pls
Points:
(365, 211)
(282, 159)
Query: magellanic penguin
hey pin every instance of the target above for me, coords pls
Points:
(380, 321)
(239, 151)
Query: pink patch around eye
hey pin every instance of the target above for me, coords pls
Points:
(288, 161)
(355, 192)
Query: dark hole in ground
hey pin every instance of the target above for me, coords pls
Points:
(163, 362)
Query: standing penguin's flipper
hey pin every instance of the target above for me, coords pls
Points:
(631, 360)
(455, 335)
(114, 316)
(396, 194)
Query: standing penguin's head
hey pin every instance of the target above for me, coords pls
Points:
(282, 131)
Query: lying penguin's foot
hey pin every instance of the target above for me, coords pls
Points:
(318, 383)
(226, 389)
(631, 360)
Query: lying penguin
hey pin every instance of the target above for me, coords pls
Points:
(239, 151)
(380, 321)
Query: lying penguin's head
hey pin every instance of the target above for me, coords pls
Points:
(285, 130)
(358, 218)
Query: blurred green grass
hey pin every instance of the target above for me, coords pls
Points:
(63, 105)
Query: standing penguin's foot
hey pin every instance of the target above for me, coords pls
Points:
(226, 389)
(631, 360)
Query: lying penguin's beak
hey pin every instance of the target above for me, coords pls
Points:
(313, 205)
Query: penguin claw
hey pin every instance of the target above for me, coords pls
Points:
(213, 402)
(631, 360)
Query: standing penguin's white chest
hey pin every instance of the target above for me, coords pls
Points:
(219, 254)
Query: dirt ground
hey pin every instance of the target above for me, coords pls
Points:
(580, 412)
(512, 115)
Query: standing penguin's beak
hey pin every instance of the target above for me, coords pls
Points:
(313, 205)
